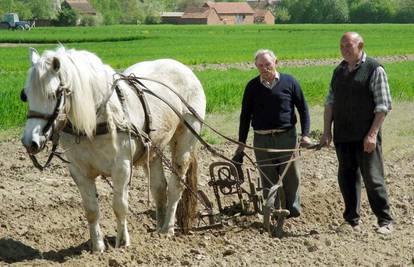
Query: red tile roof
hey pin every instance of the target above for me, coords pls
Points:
(196, 13)
(230, 7)
(260, 12)
(82, 6)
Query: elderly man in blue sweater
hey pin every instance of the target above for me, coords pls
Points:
(268, 105)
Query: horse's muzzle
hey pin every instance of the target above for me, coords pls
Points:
(35, 145)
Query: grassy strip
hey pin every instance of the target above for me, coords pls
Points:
(224, 89)
(12, 110)
(198, 44)
(73, 34)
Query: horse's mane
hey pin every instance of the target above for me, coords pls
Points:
(85, 76)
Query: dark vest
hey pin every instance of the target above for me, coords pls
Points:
(353, 108)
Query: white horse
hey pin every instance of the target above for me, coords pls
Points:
(86, 86)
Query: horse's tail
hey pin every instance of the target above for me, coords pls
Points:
(187, 206)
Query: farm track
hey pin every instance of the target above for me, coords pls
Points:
(293, 63)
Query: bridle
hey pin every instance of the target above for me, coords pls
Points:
(54, 123)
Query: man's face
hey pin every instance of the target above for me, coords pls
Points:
(266, 64)
(350, 48)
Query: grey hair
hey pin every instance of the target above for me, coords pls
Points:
(354, 35)
(262, 52)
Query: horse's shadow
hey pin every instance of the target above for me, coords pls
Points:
(12, 251)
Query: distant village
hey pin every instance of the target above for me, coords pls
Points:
(211, 13)
(227, 13)
(208, 12)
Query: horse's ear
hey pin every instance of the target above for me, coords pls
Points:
(34, 55)
(55, 64)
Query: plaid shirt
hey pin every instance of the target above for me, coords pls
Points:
(378, 86)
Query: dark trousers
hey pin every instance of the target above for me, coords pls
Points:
(270, 174)
(354, 163)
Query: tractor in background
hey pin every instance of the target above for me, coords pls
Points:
(11, 21)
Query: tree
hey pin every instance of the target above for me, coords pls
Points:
(335, 11)
(6, 6)
(20, 8)
(373, 11)
(296, 9)
(67, 16)
(130, 12)
(281, 15)
(110, 10)
(42, 9)
(152, 10)
(325, 11)
(183, 4)
(405, 12)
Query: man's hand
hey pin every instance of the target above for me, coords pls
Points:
(239, 154)
(305, 141)
(326, 139)
(370, 143)
(239, 149)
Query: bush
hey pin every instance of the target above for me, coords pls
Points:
(67, 17)
(152, 19)
(373, 11)
(282, 15)
(88, 20)
(405, 12)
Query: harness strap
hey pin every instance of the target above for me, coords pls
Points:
(136, 84)
(101, 129)
(189, 127)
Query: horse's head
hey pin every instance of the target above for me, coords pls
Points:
(64, 85)
(45, 94)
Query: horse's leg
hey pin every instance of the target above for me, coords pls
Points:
(182, 147)
(87, 189)
(120, 176)
(158, 189)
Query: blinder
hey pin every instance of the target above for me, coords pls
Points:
(50, 118)
(23, 96)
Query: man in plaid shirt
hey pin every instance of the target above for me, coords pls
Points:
(357, 103)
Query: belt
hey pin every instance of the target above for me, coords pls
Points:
(271, 131)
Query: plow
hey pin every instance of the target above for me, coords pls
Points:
(238, 192)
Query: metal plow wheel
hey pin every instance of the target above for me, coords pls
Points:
(274, 214)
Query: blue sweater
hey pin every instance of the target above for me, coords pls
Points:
(273, 108)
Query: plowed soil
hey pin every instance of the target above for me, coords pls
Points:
(42, 221)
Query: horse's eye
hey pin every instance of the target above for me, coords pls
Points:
(23, 96)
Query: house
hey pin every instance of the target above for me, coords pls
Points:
(232, 12)
(200, 15)
(228, 13)
(83, 7)
(171, 17)
(263, 16)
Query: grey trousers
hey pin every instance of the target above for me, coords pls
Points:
(354, 163)
(285, 140)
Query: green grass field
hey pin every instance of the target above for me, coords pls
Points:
(206, 44)
(121, 46)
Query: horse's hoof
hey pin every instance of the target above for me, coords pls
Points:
(99, 247)
(122, 243)
(169, 231)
